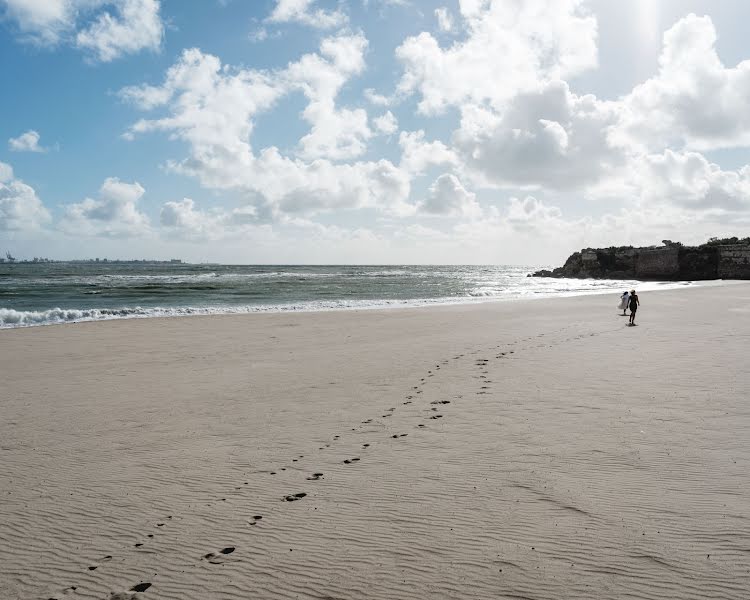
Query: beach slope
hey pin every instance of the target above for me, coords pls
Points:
(532, 449)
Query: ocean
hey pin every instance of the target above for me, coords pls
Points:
(53, 293)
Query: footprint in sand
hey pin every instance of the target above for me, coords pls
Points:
(399, 435)
(349, 461)
(218, 557)
(131, 593)
(314, 477)
(365, 445)
(255, 520)
(436, 417)
(440, 402)
(65, 592)
(294, 497)
(99, 564)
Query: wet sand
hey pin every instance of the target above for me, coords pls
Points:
(537, 449)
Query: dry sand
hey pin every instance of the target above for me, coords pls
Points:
(573, 457)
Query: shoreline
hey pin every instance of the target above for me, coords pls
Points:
(506, 449)
(189, 312)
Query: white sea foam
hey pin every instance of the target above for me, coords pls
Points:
(536, 288)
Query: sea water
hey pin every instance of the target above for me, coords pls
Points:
(47, 293)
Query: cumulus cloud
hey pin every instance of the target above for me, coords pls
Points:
(184, 221)
(444, 19)
(41, 21)
(417, 155)
(213, 105)
(107, 29)
(386, 123)
(336, 133)
(690, 181)
(26, 142)
(531, 214)
(114, 214)
(20, 208)
(304, 12)
(548, 137)
(377, 99)
(212, 108)
(510, 47)
(521, 128)
(136, 26)
(6, 172)
(694, 100)
(448, 197)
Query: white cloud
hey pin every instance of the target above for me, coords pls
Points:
(260, 34)
(107, 29)
(377, 99)
(689, 181)
(41, 21)
(114, 214)
(547, 137)
(532, 214)
(137, 26)
(183, 220)
(302, 11)
(26, 142)
(447, 197)
(417, 155)
(386, 123)
(212, 108)
(511, 46)
(444, 19)
(336, 133)
(6, 172)
(694, 100)
(20, 208)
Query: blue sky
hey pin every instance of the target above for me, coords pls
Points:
(376, 131)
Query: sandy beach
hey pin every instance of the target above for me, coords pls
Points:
(528, 450)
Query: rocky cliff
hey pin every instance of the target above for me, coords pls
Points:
(717, 259)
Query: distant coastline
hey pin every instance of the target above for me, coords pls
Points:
(10, 260)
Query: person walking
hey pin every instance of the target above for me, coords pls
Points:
(624, 301)
(634, 304)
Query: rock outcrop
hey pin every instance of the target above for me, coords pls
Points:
(717, 259)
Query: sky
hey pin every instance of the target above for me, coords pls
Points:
(370, 131)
